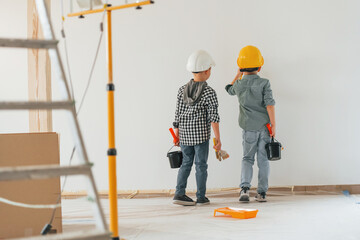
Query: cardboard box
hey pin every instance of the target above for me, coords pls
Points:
(28, 149)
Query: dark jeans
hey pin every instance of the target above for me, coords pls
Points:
(200, 153)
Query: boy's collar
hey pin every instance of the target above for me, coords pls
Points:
(253, 76)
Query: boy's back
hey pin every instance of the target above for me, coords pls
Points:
(254, 94)
(195, 120)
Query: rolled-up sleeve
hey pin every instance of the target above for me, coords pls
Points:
(230, 89)
(268, 97)
(212, 108)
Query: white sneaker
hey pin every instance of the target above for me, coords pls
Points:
(261, 197)
(244, 194)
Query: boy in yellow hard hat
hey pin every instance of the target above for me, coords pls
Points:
(256, 110)
(196, 111)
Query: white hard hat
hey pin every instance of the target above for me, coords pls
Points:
(199, 61)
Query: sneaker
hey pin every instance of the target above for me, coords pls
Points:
(203, 201)
(261, 197)
(244, 194)
(183, 200)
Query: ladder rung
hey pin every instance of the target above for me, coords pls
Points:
(41, 171)
(36, 105)
(82, 235)
(27, 43)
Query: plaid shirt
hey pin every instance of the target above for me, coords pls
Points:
(194, 122)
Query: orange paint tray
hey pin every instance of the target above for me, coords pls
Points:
(237, 212)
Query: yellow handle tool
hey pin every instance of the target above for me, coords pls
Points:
(221, 154)
(216, 152)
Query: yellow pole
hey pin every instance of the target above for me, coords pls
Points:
(112, 150)
(111, 117)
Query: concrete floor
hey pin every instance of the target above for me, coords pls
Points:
(290, 217)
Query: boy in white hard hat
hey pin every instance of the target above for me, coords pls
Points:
(196, 111)
(256, 110)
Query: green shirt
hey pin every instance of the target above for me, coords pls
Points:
(254, 94)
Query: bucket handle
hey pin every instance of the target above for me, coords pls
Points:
(171, 148)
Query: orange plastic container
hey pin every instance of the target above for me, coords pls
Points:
(237, 212)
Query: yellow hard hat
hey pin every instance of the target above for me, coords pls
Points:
(250, 57)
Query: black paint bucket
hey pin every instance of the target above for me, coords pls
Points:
(273, 150)
(175, 158)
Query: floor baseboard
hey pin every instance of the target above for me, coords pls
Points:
(305, 189)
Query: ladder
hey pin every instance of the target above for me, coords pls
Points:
(51, 171)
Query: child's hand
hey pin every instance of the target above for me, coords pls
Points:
(238, 73)
(273, 131)
(177, 140)
(237, 77)
(217, 147)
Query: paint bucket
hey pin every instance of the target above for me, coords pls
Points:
(175, 158)
(273, 150)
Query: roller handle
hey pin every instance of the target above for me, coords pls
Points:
(269, 128)
(176, 139)
(215, 142)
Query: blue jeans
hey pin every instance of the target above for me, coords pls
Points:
(200, 152)
(254, 143)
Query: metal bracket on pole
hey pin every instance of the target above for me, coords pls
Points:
(110, 8)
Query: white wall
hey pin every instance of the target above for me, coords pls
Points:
(311, 51)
